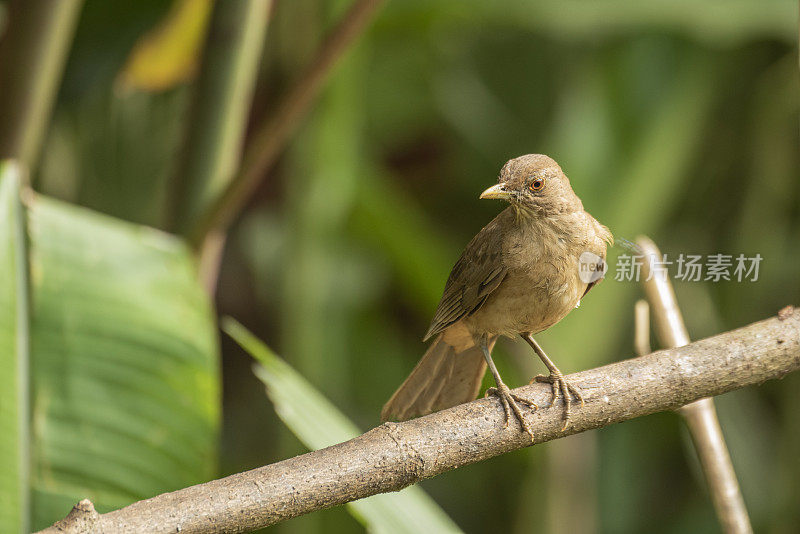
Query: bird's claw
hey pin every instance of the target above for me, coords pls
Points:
(511, 402)
(561, 386)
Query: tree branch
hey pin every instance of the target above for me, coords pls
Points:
(395, 455)
(700, 416)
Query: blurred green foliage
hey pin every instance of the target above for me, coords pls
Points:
(674, 118)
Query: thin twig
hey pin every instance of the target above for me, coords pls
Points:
(270, 139)
(700, 416)
(395, 455)
(209, 263)
(641, 333)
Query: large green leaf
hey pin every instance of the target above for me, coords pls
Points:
(14, 501)
(124, 362)
(317, 423)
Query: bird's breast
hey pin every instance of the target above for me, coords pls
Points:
(530, 299)
(542, 282)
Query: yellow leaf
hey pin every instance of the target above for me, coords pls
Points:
(168, 54)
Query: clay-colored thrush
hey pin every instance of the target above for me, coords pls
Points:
(523, 272)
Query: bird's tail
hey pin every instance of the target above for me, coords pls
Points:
(445, 376)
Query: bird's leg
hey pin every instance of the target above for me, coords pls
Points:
(556, 379)
(510, 400)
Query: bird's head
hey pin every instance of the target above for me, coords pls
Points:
(535, 185)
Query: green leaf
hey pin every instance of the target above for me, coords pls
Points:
(124, 363)
(14, 409)
(317, 423)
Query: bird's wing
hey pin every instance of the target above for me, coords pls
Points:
(477, 273)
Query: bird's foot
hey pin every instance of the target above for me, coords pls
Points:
(511, 402)
(561, 386)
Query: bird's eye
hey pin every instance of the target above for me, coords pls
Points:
(537, 184)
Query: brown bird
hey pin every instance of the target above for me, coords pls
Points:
(522, 273)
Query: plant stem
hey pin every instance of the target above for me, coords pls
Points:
(32, 56)
(641, 334)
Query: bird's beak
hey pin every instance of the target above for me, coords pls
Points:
(497, 191)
